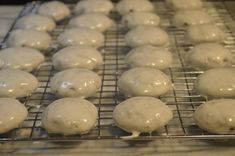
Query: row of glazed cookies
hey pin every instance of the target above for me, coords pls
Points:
(217, 81)
(142, 112)
(31, 33)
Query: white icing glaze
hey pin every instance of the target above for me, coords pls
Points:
(81, 36)
(29, 38)
(184, 4)
(22, 58)
(70, 116)
(149, 56)
(217, 116)
(54, 9)
(12, 114)
(16, 83)
(127, 6)
(190, 17)
(95, 6)
(135, 19)
(216, 83)
(205, 33)
(146, 35)
(96, 21)
(75, 83)
(77, 57)
(209, 55)
(144, 82)
(36, 22)
(141, 115)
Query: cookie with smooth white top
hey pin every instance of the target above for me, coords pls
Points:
(12, 114)
(16, 83)
(216, 116)
(184, 4)
(29, 38)
(146, 35)
(75, 83)
(54, 9)
(77, 57)
(69, 116)
(144, 82)
(141, 115)
(149, 57)
(21, 58)
(81, 36)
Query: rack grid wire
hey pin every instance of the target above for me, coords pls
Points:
(183, 100)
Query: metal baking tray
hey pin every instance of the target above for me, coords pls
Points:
(183, 100)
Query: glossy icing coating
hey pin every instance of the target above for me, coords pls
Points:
(21, 58)
(205, 33)
(146, 35)
(81, 36)
(190, 17)
(127, 6)
(35, 22)
(16, 83)
(144, 82)
(29, 38)
(95, 21)
(54, 9)
(100, 6)
(135, 19)
(70, 116)
(184, 4)
(75, 83)
(209, 55)
(77, 57)
(149, 56)
(141, 115)
(12, 114)
(216, 116)
(216, 83)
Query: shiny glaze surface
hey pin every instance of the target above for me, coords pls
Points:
(12, 114)
(16, 83)
(75, 83)
(141, 115)
(144, 82)
(70, 116)
(217, 116)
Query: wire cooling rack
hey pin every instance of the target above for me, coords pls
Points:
(182, 99)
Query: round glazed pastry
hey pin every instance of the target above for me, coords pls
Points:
(54, 9)
(141, 115)
(16, 83)
(12, 114)
(216, 83)
(21, 58)
(70, 116)
(216, 116)
(81, 36)
(75, 83)
(77, 57)
(146, 35)
(127, 6)
(100, 6)
(185, 18)
(184, 4)
(209, 55)
(205, 33)
(149, 56)
(95, 21)
(36, 22)
(29, 38)
(135, 19)
(144, 82)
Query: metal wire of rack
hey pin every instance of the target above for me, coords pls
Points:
(183, 100)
